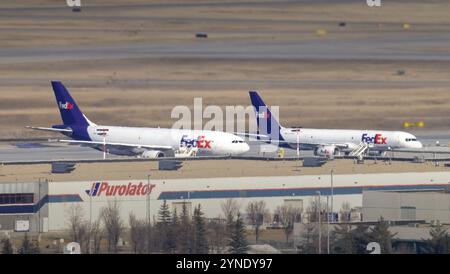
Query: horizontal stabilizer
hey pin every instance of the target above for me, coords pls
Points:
(50, 129)
(97, 143)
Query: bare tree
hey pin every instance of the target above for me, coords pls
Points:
(287, 215)
(313, 211)
(345, 211)
(96, 235)
(28, 246)
(217, 239)
(113, 225)
(75, 218)
(230, 209)
(89, 236)
(79, 229)
(7, 247)
(256, 211)
(316, 211)
(83, 235)
(138, 230)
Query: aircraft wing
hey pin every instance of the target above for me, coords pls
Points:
(246, 134)
(96, 143)
(51, 129)
(255, 135)
(267, 141)
(318, 144)
(293, 144)
(326, 144)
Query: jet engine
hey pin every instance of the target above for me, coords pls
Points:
(152, 154)
(327, 151)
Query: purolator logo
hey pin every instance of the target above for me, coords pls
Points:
(130, 189)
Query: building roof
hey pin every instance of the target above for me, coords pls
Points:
(203, 169)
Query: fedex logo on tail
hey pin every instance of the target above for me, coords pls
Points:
(264, 115)
(105, 189)
(378, 139)
(66, 105)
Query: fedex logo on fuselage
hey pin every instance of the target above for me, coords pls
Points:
(105, 189)
(200, 142)
(66, 105)
(378, 139)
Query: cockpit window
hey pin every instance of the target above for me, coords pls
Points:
(237, 141)
(410, 139)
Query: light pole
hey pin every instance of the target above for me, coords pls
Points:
(190, 203)
(39, 203)
(39, 209)
(148, 211)
(328, 227)
(320, 225)
(331, 209)
(90, 220)
(332, 196)
(148, 199)
(104, 146)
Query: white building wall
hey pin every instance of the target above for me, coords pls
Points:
(428, 206)
(347, 188)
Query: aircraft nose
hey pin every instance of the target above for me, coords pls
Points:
(419, 144)
(241, 148)
(245, 147)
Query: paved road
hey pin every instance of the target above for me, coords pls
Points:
(63, 152)
(234, 84)
(407, 46)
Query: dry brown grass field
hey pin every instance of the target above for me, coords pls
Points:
(143, 91)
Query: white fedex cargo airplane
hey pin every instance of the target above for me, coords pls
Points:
(327, 142)
(137, 141)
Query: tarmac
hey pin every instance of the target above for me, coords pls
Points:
(217, 168)
(44, 151)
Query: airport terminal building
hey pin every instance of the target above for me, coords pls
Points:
(44, 206)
